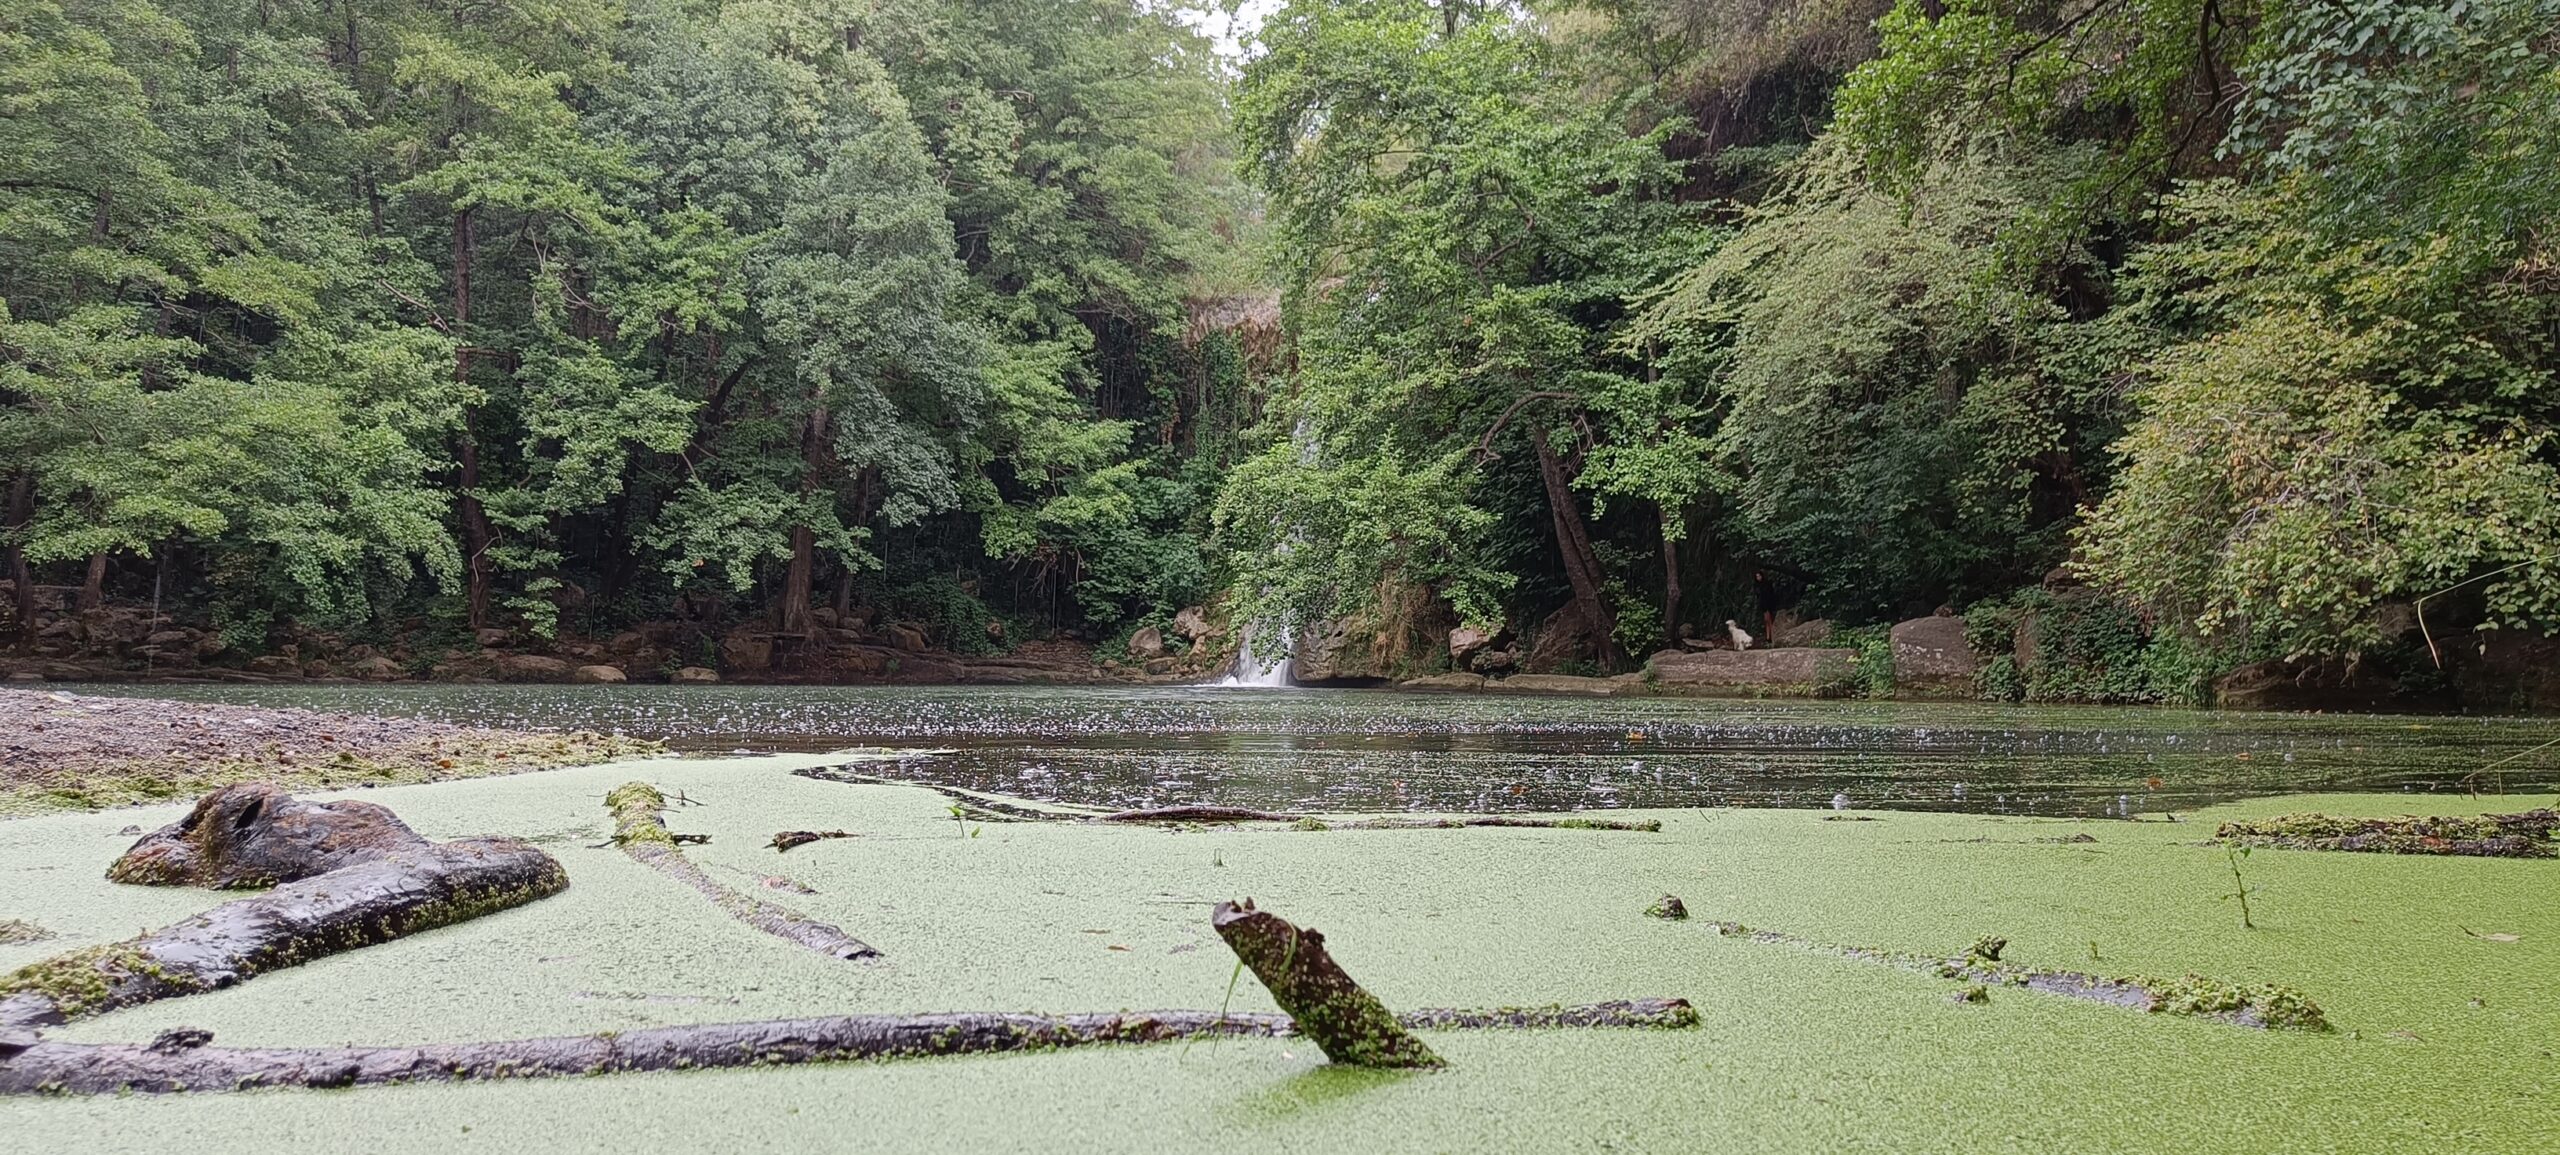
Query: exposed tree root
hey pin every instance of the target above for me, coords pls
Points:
(2524, 835)
(990, 808)
(353, 875)
(2264, 1006)
(1347, 1022)
(643, 835)
(181, 1061)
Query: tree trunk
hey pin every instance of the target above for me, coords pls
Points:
(798, 580)
(93, 589)
(475, 519)
(1573, 540)
(13, 557)
(1670, 580)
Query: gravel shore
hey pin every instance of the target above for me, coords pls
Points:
(62, 751)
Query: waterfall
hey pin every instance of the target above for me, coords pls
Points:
(1255, 670)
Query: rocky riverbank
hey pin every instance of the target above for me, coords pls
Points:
(62, 751)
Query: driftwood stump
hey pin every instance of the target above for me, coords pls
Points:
(358, 877)
(1344, 1020)
(254, 835)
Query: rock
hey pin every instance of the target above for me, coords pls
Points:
(375, 669)
(210, 645)
(26, 676)
(1781, 673)
(1564, 639)
(628, 642)
(490, 639)
(824, 616)
(995, 630)
(1494, 661)
(1466, 641)
(532, 668)
(746, 648)
(1159, 666)
(1668, 906)
(598, 675)
(1812, 633)
(1444, 682)
(1560, 684)
(696, 675)
(281, 665)
(1193, 624)
(1147, 643)
(169, 638)
(907, 638)
(1931, 660)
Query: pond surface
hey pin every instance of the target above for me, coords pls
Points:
(1383, 750)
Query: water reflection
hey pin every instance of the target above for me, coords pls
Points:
(1382, 750)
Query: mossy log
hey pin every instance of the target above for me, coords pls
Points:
(642, 833)
(2262, 1006)
(182, 1060)
(395, 893)
(1344, 1020)
(2523, 835)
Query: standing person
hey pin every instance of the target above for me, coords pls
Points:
(1765, 592)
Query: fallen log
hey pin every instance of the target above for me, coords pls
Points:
(183, 1061)
(642, 834)
(2523, 835)
(2265, 1006)
(992, 808)
(397, 893)
(1344, 1020)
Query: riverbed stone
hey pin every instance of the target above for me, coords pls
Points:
(532, 668)
(701, 675)
(1931, 659)
(1450, 681)
(1193, 623)
(906, 638)
(1147, 643)
(598, 675)
(1562, 684)
(1781, 673)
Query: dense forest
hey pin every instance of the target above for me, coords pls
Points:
(2223, 331)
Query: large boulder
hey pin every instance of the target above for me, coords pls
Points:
(1193, 624)
(1566, 684)
(376, 669)
(746, 648)
(1444, 682)
(1566, 638)
(1466, 642)
(1147, 643)
(1931, 659)
(697, 675)
(1812, 633)
(1781, 673)
(532, 668)
(907, 638)
(598, 675)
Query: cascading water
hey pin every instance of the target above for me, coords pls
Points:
(1255, 670)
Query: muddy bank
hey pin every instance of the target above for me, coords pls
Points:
(62, 751)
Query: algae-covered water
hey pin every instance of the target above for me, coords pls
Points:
(2438, 975)
(1384, 750)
